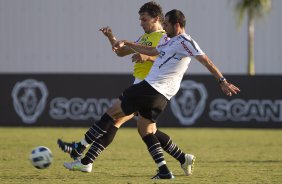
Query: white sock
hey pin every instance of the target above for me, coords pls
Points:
(84, 143)
(161, 163)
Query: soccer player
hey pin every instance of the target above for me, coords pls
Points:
(150, 96)
(151, 18)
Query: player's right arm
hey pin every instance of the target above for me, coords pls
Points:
(143, 49)
(141, 58)
(123, 51)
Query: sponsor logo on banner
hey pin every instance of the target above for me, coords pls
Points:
(239, 110)
(29, 99)
(189, 103)
(78, 108)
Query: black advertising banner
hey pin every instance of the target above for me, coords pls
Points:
(81, 99)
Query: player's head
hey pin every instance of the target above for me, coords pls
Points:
(173, 19)
(151, 16)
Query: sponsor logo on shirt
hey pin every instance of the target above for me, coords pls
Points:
(144, 41)
(186, 48)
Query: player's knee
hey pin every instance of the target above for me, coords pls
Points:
(105, 140)
(144, 130)
(109, 136)
(115, 111)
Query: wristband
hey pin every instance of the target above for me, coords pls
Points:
(221, 80)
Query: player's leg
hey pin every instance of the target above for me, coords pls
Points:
(150, 104)
(186, 160)
(99, 143)
(92, 136)
(102, 143)
(119, 122)
(116, 112)
(67, 147)
(147, 129)
(97, 130)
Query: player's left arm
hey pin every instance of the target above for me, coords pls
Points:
(228, 88)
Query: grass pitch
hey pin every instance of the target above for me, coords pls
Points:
(223, 156)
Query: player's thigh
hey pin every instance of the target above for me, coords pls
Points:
(146, 126)
(123, 120)
(115, 111)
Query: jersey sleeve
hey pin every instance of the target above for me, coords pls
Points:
(191, 47)
(163, 39)
(159, 47)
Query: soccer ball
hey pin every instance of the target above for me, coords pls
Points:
(41, 157)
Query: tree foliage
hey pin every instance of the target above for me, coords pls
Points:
(254, 9)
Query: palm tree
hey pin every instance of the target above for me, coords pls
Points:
(254, 9)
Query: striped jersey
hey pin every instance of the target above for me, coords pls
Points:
(153, 39)
(174, 58)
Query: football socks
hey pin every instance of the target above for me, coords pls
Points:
(169, 146)
(99, 129)
(99, 145)
(155, 149)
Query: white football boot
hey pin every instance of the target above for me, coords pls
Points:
(188, 165)
(78, 166)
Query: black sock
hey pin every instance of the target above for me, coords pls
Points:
(163, 169)
(99, 129)
(99, 145)
(79, 148)
(171, 148)
(154, 148)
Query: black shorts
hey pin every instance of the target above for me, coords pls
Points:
(144, 99)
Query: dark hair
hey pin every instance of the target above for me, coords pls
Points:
(176, 16)
(153, 9)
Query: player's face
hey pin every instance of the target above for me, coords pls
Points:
(168, 28)
(147, 22)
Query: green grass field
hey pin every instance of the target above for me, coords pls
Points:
(223, 156)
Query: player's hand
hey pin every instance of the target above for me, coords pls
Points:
(107, 31)
(118, 45)
(229, 89)
(139, 58)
